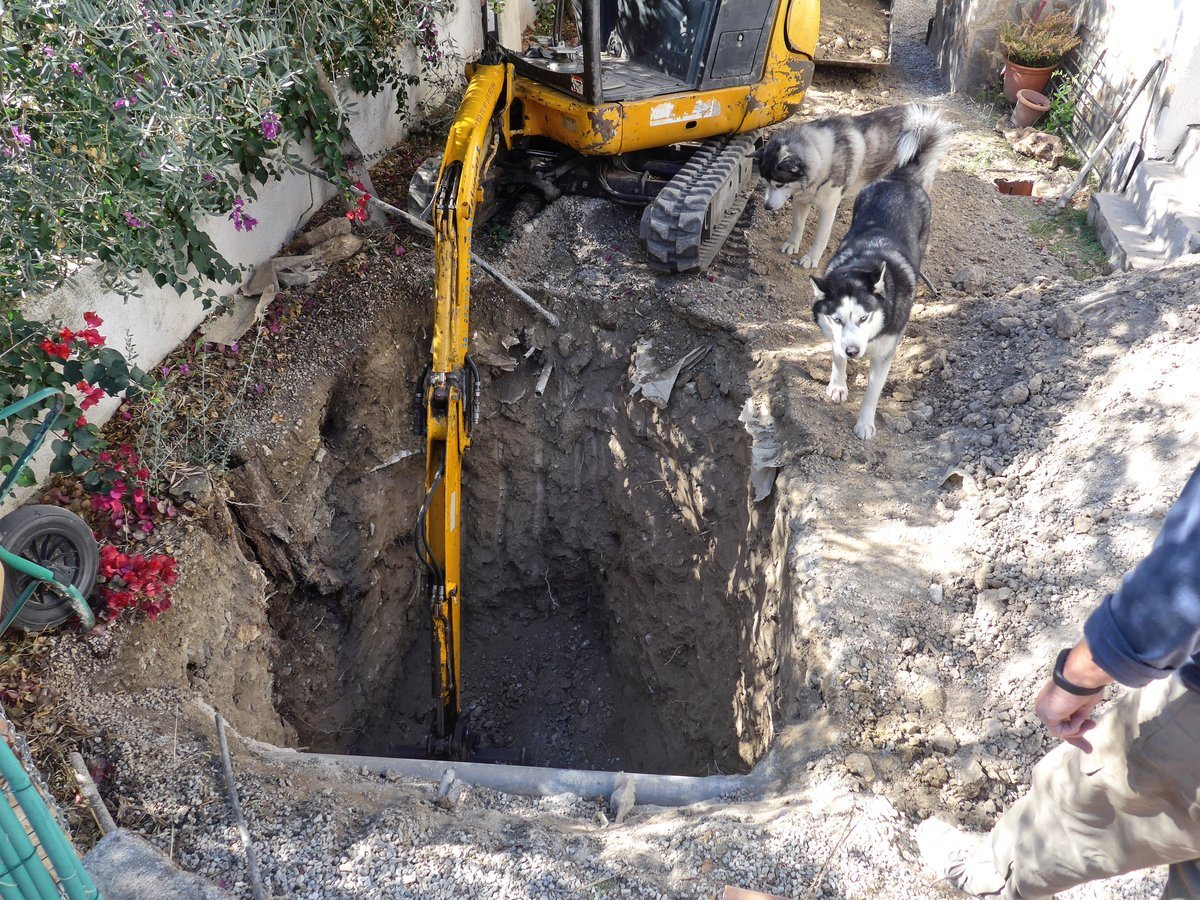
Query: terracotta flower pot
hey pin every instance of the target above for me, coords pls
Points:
(1030, 107)
(1019, 78)
(1020, 187)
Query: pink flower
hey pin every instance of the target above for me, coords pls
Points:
(237, 215)
(270, 126)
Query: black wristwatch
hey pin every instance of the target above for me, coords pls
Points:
(1061, 680)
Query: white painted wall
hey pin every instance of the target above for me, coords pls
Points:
(150, 326)
(1135, 35)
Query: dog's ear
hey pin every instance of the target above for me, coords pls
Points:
(757, 155)
(879, 285)
(820, 289)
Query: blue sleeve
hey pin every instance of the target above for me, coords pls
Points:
(1150, 626)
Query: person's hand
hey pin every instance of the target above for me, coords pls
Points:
(1067, 716)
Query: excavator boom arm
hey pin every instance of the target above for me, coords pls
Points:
(449, 393)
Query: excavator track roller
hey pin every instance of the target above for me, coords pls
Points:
(683, 228)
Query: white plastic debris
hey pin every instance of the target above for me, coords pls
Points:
(765, 452)
(656, 384)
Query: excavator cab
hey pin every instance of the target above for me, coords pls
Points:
(642, 89)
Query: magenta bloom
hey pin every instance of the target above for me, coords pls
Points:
(237, 215)
(270, 126)
(133, 221)
(76, 68)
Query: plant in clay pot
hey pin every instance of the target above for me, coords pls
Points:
(1033, 49)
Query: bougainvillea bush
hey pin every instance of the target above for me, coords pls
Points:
(125, 122)
(73, 360)
(124, 126)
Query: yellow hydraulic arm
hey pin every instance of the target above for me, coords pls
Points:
(449, 397)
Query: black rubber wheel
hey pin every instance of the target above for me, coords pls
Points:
(62, 542)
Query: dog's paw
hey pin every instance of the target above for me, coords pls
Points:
(809, 260)
(791, 248)
(865, 430)
(837, 392)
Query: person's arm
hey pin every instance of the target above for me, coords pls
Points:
(1150, 625)
(1145, 630)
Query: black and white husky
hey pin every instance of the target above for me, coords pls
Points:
(863, 302)
(820, 161)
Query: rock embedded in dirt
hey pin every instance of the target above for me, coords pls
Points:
(970, 278)
(621, 803)
(1067, 323)
(943, 741)
(1007, 325)
(339, 225)
(1015, 395)
(860, 764)
(337, 249)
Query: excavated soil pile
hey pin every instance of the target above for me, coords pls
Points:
(854, 31)
(614, 598)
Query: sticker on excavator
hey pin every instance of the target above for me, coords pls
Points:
(668, 114)
(855, 34)
(577, 85)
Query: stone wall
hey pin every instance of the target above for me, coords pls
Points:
(964, 38)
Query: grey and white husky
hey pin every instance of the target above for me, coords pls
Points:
(820, 161)
(863, 302)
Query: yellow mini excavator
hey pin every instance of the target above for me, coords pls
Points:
(659, 105)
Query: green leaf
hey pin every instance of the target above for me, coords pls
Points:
(84, 439)
(81, 464)
(26, 478)
(62, 458)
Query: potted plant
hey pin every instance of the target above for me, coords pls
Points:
(1030, 107)
(1033, 49)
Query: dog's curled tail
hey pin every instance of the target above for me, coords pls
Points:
(923, 142)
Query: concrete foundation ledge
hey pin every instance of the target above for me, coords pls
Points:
(127, 867)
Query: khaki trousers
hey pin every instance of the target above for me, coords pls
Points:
(1132, 803)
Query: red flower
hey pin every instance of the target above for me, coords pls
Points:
(92, 320)
(91, 395)
(92, 336)
(359, 214)
(62, 351)
(67, 335)
(81, 422)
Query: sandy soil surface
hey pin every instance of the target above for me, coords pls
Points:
(854, 31)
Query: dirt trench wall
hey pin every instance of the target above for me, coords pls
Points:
(334, 539)
(620, 590)
(590, 490)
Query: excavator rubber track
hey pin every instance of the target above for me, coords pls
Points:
(684, 227)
